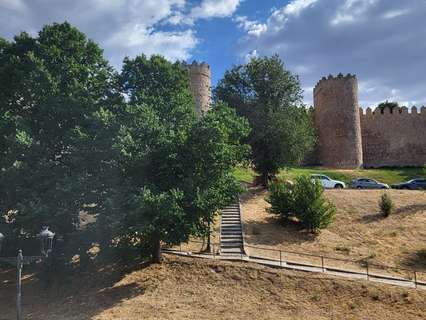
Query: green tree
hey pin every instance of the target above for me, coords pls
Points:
(312, 209)
(54, 89)
(176, 170)
(270, 97)
(386, 204)
(304, 200)
(388, 104)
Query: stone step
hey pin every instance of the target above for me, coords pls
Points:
(231, 250)
(234, 239)
(228, 237)
(225, 236)
(231, 231)
(232, 245)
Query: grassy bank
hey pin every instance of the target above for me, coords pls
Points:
(385, 175)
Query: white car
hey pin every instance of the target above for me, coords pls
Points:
(327, 182)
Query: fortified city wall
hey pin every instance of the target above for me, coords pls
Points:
(349, 139)
(394, 139)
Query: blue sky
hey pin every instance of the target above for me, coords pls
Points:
(383, 42)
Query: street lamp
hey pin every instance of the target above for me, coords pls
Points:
(46, 237)
(1, 240)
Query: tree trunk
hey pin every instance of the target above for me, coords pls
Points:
(265, 179)
(208, 249)
(156, 252)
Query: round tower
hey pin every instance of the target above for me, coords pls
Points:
(337, 122)
(200, 77)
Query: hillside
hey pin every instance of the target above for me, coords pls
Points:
(359, 231)
(185, 288)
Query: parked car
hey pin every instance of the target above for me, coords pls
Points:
(367, 183)
(414, 184)
(327, 182)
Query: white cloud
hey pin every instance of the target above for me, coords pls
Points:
(214, 8)
(296, 6)
(378, 40)
(395, 13)
(253, 28)
(14, 5)
(134, 39)
(250, 55)
(123, 28)
(352, 10)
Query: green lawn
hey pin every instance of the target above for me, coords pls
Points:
(385, 175)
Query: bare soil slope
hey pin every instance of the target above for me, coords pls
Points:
(359, 231)
(185, 288)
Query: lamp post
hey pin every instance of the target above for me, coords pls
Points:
(46, 237)
(1, 239)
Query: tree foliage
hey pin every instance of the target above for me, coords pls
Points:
(75, 135)
(388, 104)
(52, 87)
(304, 201)
(177, 166)
(270, 97)
(386, 204)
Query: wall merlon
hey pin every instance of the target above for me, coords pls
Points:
(339, 77)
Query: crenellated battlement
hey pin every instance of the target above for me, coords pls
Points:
(376, 112)
(199, 67)
(333, 79)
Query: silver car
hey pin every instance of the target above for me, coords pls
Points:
(367, 183)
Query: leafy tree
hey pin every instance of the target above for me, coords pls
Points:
(281, 199)
(312, 209)
(54, 89)
(176, 170)
(304, 200)
(270, 98)
(388, 104)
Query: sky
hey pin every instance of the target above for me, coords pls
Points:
(383, 42)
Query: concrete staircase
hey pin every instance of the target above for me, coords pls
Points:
(231, 233)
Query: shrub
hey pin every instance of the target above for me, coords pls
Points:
(312, 209)
(281, 199)
(386, 204)
(304, 200)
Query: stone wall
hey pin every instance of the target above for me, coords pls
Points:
(200, 77)
(394, 139)
(337, 122)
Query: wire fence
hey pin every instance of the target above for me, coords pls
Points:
(313, 262)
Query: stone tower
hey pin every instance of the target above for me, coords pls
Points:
(200, 77)
(337, 122)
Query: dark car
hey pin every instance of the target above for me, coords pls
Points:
(367, 183)
(415, 184)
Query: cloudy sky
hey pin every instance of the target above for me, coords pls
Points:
(382, 41)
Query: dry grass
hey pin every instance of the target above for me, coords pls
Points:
(359, 231)
(184, 288)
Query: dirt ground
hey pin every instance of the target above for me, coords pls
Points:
(185, 288)
(359, 231)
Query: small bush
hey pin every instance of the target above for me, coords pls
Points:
(304, 200)
(281, 199)
(312, 209)
(386, 204)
